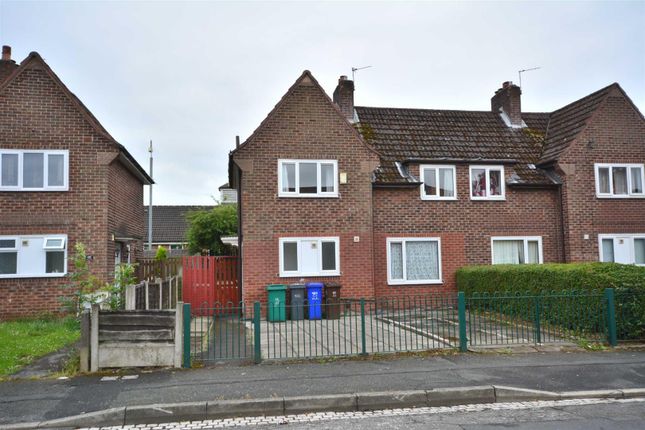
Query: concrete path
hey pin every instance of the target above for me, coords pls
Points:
(40, 400)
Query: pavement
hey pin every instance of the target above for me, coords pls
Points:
(29, 401)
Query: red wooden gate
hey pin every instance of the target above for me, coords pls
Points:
(210, 282)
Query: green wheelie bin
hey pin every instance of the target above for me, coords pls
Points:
(277, 303)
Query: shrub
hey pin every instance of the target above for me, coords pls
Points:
(576, 289)
(162, 254)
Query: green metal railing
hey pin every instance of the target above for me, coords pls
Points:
(346, 327)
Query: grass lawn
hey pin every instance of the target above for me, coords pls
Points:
(23, 341)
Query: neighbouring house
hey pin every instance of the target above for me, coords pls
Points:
(390, 201)
(227, 195)
(169, 227)
(63, 180)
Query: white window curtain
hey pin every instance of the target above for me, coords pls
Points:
(620, 180)
(508, 252)
(637, 182)
(9, 169)
(288, 177)
(421, 260)
(603, 180)
(327, 178)
(446, 185)
(396, 260)
(639, 251)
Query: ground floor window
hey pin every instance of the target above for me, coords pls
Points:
(414, 260)
(622, 248)
(516, 250)
(33, 256)
(309, 256)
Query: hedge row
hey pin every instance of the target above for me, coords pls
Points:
(536, 278)
(572, 280)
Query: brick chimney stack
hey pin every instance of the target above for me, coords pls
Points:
(508, 100)
(344, 97)
(7, 65)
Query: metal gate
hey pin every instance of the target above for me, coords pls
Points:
(210, 282)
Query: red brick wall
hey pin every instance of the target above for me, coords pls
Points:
(615, 134)
(464, 226)
(305, 126)
(36, 114)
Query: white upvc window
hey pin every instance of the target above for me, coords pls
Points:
(309, 256)
(516, 250)
(307, 178)
(622, 248)
(34, 170)
(33, 256)
(413, 260)
(439, 182)
(487, 183)
(619, 180)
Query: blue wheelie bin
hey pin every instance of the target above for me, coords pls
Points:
(314, 298)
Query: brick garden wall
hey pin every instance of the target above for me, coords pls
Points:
(615, 134)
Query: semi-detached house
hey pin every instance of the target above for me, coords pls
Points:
(63, 180)
(390, 201)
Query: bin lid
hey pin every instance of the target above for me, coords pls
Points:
(332, 285)
(297, 286)
(314, 284)
(276, 287)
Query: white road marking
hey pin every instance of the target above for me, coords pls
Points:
(330, 416)
(109, 378)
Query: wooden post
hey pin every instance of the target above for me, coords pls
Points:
(179, 333)
(94, 338)
(84, 347)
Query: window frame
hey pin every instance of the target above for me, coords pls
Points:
(487, 169)
(43, 274)
(422, 169)
(319, 193)
(525, 239)
(46, 187)
(611, 194)
(614, 236)
(299, 274)
(403, 240)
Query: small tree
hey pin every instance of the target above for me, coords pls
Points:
(84, 283)
(207, 227)
(162, 254)
(124, 275)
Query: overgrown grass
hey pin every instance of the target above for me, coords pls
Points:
(23, 341)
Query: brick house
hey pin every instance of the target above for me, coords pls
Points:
(169, 228)
(63, 180)
(392, 201)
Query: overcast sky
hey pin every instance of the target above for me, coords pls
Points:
(192, 75)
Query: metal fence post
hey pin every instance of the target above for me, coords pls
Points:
(461, 306)
(187, 336)
(363, 340)
(611, 316)
(257, 334)
(538, 329)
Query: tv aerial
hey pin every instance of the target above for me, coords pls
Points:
(356, 69)
(525, 70)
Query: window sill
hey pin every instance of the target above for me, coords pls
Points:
(628, 196)
(308, 196)
(488, 199)
(33, 190)
(435, 282)
(439, 199)
(308, 275)
(47, 275)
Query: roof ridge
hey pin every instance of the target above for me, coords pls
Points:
(588, 96)
(444, 110)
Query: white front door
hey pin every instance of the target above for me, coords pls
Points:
(309, 256)
(623, 250)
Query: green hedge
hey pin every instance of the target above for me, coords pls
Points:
(536, 278)
(571, 282)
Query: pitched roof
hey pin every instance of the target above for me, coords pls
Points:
(567, 122)
(418, 135)
(124, 156)
(169, 223)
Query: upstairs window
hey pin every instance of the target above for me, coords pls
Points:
(438, 182)
(28, 170)
(309, 256)
(619, 180)
(307, 178)
(33, 256)
(487, 182)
